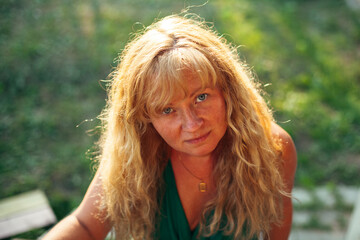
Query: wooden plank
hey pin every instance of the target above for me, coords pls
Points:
(22, 202)
(24, 212)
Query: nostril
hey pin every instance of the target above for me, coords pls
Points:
(190, 119)
(192, 123)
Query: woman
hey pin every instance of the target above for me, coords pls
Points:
(189, 149)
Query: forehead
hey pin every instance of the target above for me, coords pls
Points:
(168, 90)
(189, 85)
(177, 72)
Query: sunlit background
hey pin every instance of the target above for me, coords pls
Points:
(54, 54)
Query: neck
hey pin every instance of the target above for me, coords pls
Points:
(202, 165)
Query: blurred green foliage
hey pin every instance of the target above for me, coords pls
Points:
(54, 54)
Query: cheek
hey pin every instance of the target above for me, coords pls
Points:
(221, 112)
(224, 113)
(157, 125)
(163, 128)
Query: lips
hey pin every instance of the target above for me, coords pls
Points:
(198, 139)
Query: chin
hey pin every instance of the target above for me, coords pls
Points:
(202, 152)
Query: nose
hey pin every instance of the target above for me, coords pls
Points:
(190, 120)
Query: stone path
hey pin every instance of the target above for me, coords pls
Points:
(322, 213)
(315, 235)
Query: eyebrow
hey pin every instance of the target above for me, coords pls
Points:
(191, 94)
(196, 91)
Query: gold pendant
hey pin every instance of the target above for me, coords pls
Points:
(202, 186)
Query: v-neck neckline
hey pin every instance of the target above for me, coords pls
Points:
(174, 224)
(192, 234)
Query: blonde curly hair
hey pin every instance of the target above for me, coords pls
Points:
(133, 155)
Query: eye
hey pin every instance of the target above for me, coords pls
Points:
(201, 97)
(167, 110)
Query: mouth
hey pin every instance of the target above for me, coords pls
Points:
(198, 139)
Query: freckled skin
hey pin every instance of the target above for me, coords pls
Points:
(192, 125)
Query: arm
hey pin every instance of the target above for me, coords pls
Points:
(84, 222)
(289, 167)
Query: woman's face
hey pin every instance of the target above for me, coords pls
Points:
(193, 124)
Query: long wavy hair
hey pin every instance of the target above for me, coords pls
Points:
(133, 155)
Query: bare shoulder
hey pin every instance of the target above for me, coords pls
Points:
(287, 144)
(288, 153)
(280, 133)
(87, 221)
(89, 213)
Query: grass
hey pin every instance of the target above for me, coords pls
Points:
(54, 55)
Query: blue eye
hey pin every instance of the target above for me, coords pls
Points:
(167, 110)
(201, 97)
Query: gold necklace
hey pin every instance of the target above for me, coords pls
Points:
(202, 184)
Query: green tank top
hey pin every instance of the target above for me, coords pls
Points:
(173, 224)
